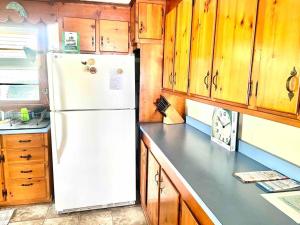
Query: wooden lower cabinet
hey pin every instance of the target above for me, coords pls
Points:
(162, 200)
(143, 174)
(153, 189)
(27, 190)
(26, 169)
(186, 216)
(169, 202)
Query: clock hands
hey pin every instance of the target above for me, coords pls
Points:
(229, 122)
(222, 122)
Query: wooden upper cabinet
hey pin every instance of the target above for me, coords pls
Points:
(182, 45)
(202, 44)
(169, 47)
(169, 202)
(277, 58)
(113, 36)
(150, 20)
(133, 23)
(187, 217)
(153, 189)
(234, 42)
(143, 173)
(86, 29)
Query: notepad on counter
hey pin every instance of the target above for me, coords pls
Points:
(279, 185)
(256, 176)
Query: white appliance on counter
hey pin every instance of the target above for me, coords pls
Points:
(92, 103)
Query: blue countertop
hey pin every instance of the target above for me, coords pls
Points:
(206, 169)
(26, 131)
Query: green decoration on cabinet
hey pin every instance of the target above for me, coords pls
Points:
(71, 42)
(17, 7)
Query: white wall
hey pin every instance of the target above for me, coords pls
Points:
(276, 138)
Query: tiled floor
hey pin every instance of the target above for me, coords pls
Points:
(45, 214)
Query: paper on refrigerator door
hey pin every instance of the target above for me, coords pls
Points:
(116, 81)
(287, 202)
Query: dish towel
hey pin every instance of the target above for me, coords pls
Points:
(5, 216)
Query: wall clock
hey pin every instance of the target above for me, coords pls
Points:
(224, 128)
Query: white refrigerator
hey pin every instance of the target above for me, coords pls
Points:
(92, 104)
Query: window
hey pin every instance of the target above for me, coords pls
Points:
(19, 70)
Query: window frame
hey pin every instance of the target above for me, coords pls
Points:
(42, 70)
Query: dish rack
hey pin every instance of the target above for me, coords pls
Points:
(15, 117)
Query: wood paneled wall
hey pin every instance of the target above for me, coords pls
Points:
(50, 13)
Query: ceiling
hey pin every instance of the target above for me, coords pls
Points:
(109, 1)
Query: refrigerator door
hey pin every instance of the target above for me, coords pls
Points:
(85, 81)
(93, 158)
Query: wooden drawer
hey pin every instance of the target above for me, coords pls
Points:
(22, 190)
(25, 155)
(23, 140)
(25, 171)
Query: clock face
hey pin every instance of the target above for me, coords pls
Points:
(222, 125)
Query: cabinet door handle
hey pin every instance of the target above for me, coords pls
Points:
(170, 78)
(161, 187)
(142, 28)
(215, 79)
(26, 185)
(291, 85)
(206, 80)
(101, 40)
(156, 177)
(29, 156)
(93, 41)
(174, 78)
(24, 141)
(26, 171)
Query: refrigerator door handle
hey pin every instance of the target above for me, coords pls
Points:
(58, 147)
(54, 139)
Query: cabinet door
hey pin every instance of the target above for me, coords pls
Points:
(113, 36)
(1, 181)
(202, 43)
(150, 21)
(169, 202)
(143, 173)
(169, 47)
(153, 189)
(233, 49)
(182, 46)
(86, 29)
(277, 59)
(186, 217)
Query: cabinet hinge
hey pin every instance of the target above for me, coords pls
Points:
(4, 193)
(2, 158)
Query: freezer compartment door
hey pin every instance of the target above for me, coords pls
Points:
(93, 158)
(85, 81)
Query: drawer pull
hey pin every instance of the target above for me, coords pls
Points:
(26, 171)
(24, 141)
(26, 156)
(26, 185)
